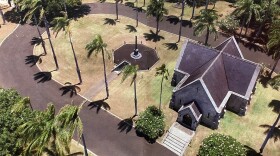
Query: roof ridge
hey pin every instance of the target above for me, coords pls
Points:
(203, 46)
(241, 59)
(211, 65)
(228, 41)
(224, 41)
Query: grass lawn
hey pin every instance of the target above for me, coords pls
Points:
(246, 129)
(224, 8)
(121, 94)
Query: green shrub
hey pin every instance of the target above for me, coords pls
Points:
(221, 145)
(151, 122)
(229, 24)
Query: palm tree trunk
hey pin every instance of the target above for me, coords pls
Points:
(2, 15)
(248, 24)
(183, 8)
(180, 29)
(135, 97)
(157, 25)
(137, 16)
(214, 5)
(40, 35)
(76, 62)
(144, 3)
(242, 25)
(105, 76)
(160, 92)
(207, 36)
(269, 133)
(117, 10)
(206, 4)
(193, 8)
(274, 66)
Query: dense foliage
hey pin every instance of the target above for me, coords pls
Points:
(151, 122)
(229, 24)
(9, 122)
(220, 145)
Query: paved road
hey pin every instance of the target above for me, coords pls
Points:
(100, 130)
(249, 52)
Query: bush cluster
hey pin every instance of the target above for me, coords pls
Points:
(151, 122)
(220, 145)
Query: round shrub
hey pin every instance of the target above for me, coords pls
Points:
(151, 122)
(229, 24)
(220, 145)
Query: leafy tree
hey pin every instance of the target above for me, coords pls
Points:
(247, 10)
(206, 21)
(273, 44)
(275, 82)
(97, 45)
(63, 23)
(163, 72)
(156, 8)
(229, 24)
(151, 122)
(219, 144)
(10, 121)
(127, 71)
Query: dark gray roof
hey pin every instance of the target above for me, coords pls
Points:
(195, 56)
(239, 73)
(196, 110)
(220, 71)
(216, 81)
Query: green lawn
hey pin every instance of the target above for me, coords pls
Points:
(246, 129)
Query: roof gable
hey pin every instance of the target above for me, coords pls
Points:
(194, 56)
(232, 48)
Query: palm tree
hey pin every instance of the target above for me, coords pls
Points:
(247, 10)
(163, 72)
(63, 23)
(206, 20)
(127, 71)
(51, 134)
(97, 45)
(117, 8)
(156, 8)
(273, 44)
(193, 7)
(2, 15)
(181, 21)
(38, 7)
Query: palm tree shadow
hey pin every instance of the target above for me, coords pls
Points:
(251, 152)
(109, 21)
(12, 16)
(33, 59)
(129, 4)
(153, 36)
(264, 80)
(126, 125)
(43, 77)
(98, 105)
(173, 19)
(69, 88)
(275, 104)
(187, 23)
(130, 28)
(36, 41)
(171, 46)
(78, 11)
(275, 133)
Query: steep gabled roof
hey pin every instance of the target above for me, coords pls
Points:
(193, 56)
(220, 73)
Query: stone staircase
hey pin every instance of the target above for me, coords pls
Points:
(177, 138)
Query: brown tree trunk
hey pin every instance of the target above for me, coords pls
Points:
(274, 66)
(105, 75)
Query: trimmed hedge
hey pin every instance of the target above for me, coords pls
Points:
(221, 145)
(151, 122)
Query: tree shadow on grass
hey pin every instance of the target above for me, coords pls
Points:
(71, 89)
(126, 125)
(251, 152)
(264, 80)
(98, 105)
(33, 59)
(130, 28)
(109, 21)
(275, 104)
(12, 16)
(171, 46)
(42, 77)
(173, 19)
(275, 133)
(153, 36)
